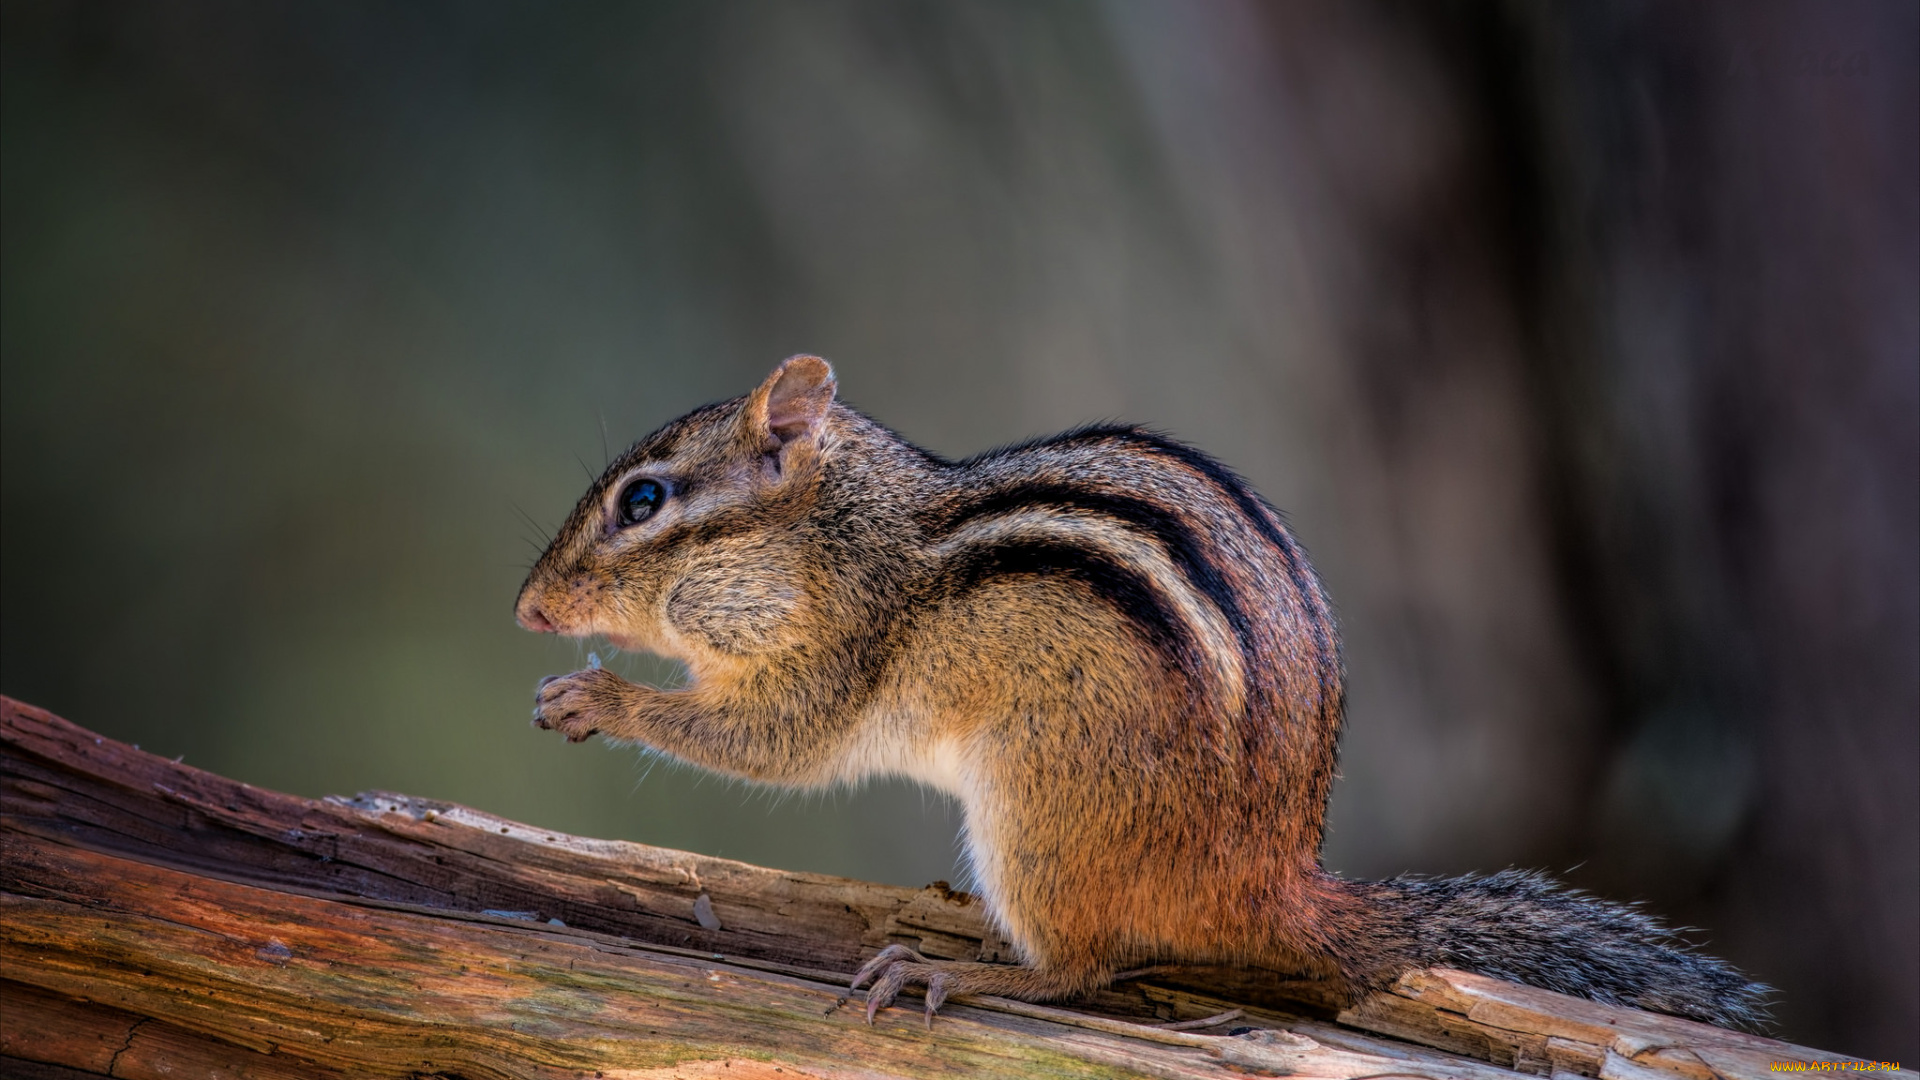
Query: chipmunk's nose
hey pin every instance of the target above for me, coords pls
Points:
(531, 617)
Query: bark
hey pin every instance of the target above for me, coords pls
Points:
(161, 920)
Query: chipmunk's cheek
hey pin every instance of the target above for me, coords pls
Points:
(735, 612)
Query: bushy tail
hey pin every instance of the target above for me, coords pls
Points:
(1525, 927)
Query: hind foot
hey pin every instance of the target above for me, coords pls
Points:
(897, 967)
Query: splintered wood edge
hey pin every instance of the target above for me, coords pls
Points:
(1453, 1012)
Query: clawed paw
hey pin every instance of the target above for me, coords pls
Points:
(892, 969)
(576, 705)
(897, 966)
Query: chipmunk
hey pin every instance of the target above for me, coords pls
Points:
(1104, 644)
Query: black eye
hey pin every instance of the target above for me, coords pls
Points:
(640, 500)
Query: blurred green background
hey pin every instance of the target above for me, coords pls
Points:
(1580, 343)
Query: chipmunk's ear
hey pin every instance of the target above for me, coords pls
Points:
(792, 404)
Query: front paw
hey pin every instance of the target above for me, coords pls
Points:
(581, 704)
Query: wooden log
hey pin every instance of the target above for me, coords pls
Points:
(156, 920)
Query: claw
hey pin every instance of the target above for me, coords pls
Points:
(884, 958)
(886, 989)
(936, 995)
(894, 967)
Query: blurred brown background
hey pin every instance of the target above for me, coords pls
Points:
(1580, 341)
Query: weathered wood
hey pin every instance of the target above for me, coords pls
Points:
(356, 987)
(158, 917)
(1535, 1031)
(93, 1039)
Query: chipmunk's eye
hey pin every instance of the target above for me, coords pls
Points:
(640, 500)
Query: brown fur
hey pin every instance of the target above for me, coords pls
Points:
(1103, 644)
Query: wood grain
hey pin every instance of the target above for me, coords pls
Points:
(159, 920)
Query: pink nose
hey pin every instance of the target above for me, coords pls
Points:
(536, 620)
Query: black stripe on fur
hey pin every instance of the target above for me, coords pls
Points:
(1163, 526)
(1112, 580)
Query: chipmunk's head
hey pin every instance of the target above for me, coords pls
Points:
(686, 543)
